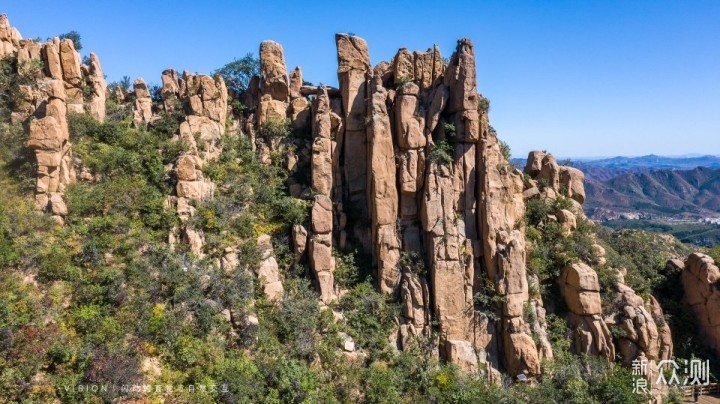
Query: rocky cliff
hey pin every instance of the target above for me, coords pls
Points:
(401, 165)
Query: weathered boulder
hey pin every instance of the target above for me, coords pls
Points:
(170, 90)
(534, 163)
(572, 181)
(273, 72)
(142, 110)
(296, 82)
(268, 271)
(550, 172)
(462, 353)
(641, 333)
(205, 96)
(300, 240)
(96, 104)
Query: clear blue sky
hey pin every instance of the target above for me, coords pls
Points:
(578, 78)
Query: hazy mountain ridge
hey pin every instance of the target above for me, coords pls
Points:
(602, 169)
(684, 193)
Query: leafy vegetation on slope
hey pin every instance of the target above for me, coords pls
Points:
(104, 300)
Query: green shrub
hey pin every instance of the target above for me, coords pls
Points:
(505, 150)
(450, 130)
(412, 261)
(401, 81)
(275, 129)
(483, 104)
(369, 316)
(441, 153)
(347, 273)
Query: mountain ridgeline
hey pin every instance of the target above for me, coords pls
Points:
(276, 241)
(691, 193)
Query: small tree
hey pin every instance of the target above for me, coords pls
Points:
(505, 150)
(237, 74)
(73, 36)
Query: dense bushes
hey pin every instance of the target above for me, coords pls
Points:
(549, 249)
(105, 299)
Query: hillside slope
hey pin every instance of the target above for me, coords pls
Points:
(280, 242)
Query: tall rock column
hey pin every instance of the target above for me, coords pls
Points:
(701, 281)
(322, 261)
(449, 189)
(501, 211)
(382, 191)
(204, 99)
(96, 79)
(142, 109)
(411, 134)
(170, 90)
(353, 67)
(274, 86)
(411, 141)
(9, 37)
(48, 138)
(581, 289)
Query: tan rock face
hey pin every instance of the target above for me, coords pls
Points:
(553, 178)
(534, 163)
(550, 172)
(57, 89)
(205, 96)
(573, 181)
(700, 282)
(300, 240)
(296, 82)
(204, 100)
(321, 242)
(8, 41)
(51, 56)
(70, 62)
(409, 118)
(642, 335)
(268, 271)
(170, 90)
(415, 297)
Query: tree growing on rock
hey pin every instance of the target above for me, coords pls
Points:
(237, 74)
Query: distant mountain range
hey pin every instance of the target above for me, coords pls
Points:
(683, 187)
(669, 193)
(604, 169)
